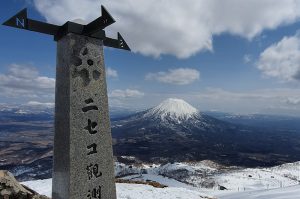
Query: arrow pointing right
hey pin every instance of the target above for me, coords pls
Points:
(122, 43)
(116, 43)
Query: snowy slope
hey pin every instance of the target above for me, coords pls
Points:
(134, 191)
(130, 191)
(261, 178)
(43, 187)
(190, 180)
(292, 192)
(158, 178)
(175, 109)
(290, 170)
(253, 179)
(209, 175)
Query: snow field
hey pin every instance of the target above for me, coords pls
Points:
(130, 191)
(281, 182)
(292, 192)
(253, 179)
(135, 191)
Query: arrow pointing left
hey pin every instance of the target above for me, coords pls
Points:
(20, 20)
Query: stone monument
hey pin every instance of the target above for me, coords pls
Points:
(83, 159)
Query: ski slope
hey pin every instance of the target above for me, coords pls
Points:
(130, 191)
(136, 191)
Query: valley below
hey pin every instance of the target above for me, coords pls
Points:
(159, 137)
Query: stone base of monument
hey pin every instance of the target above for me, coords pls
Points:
(10, 188)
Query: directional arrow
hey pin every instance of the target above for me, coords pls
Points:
(21, 21)
(100, 23)
(116, 43)
(93, 29)
(122, 43)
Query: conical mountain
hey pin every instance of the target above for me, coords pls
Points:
(173, 109)
(167, 130)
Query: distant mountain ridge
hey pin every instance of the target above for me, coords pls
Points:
(176, 131)
(289, 123)
(29, 108)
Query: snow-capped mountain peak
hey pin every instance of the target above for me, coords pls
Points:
(174, 109)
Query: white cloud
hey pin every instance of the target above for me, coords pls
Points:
(25, 82)
(293, 101)
(41, 104)
(261, 94)
(128, 93)
(282, 60)
(176, 27)
(180, 76)
(280, 101)
(255, 101)
(263, 101)
(111, 73)
(247, 58)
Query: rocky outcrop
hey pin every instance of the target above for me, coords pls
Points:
(10, 188)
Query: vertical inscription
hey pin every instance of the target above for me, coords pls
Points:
(92, 169)
(91, 128)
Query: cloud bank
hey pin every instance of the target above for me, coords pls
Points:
(180, 76)
(176, 27)
(279, 101)
(282, 60)
(111, 73)
(127, 93)
(25, 82)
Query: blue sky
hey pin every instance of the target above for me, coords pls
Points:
(233, 56)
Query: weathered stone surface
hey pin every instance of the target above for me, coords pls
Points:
(10, 188)
(83, 160)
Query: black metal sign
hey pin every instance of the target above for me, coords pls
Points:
(93, 29)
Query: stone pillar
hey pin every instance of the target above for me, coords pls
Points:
(83, 158)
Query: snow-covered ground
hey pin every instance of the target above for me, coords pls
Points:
(254, 179)
(131, 191)
(208, 175)
(292, 192)
(201, 180)
(158, 178)
(135, 191)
